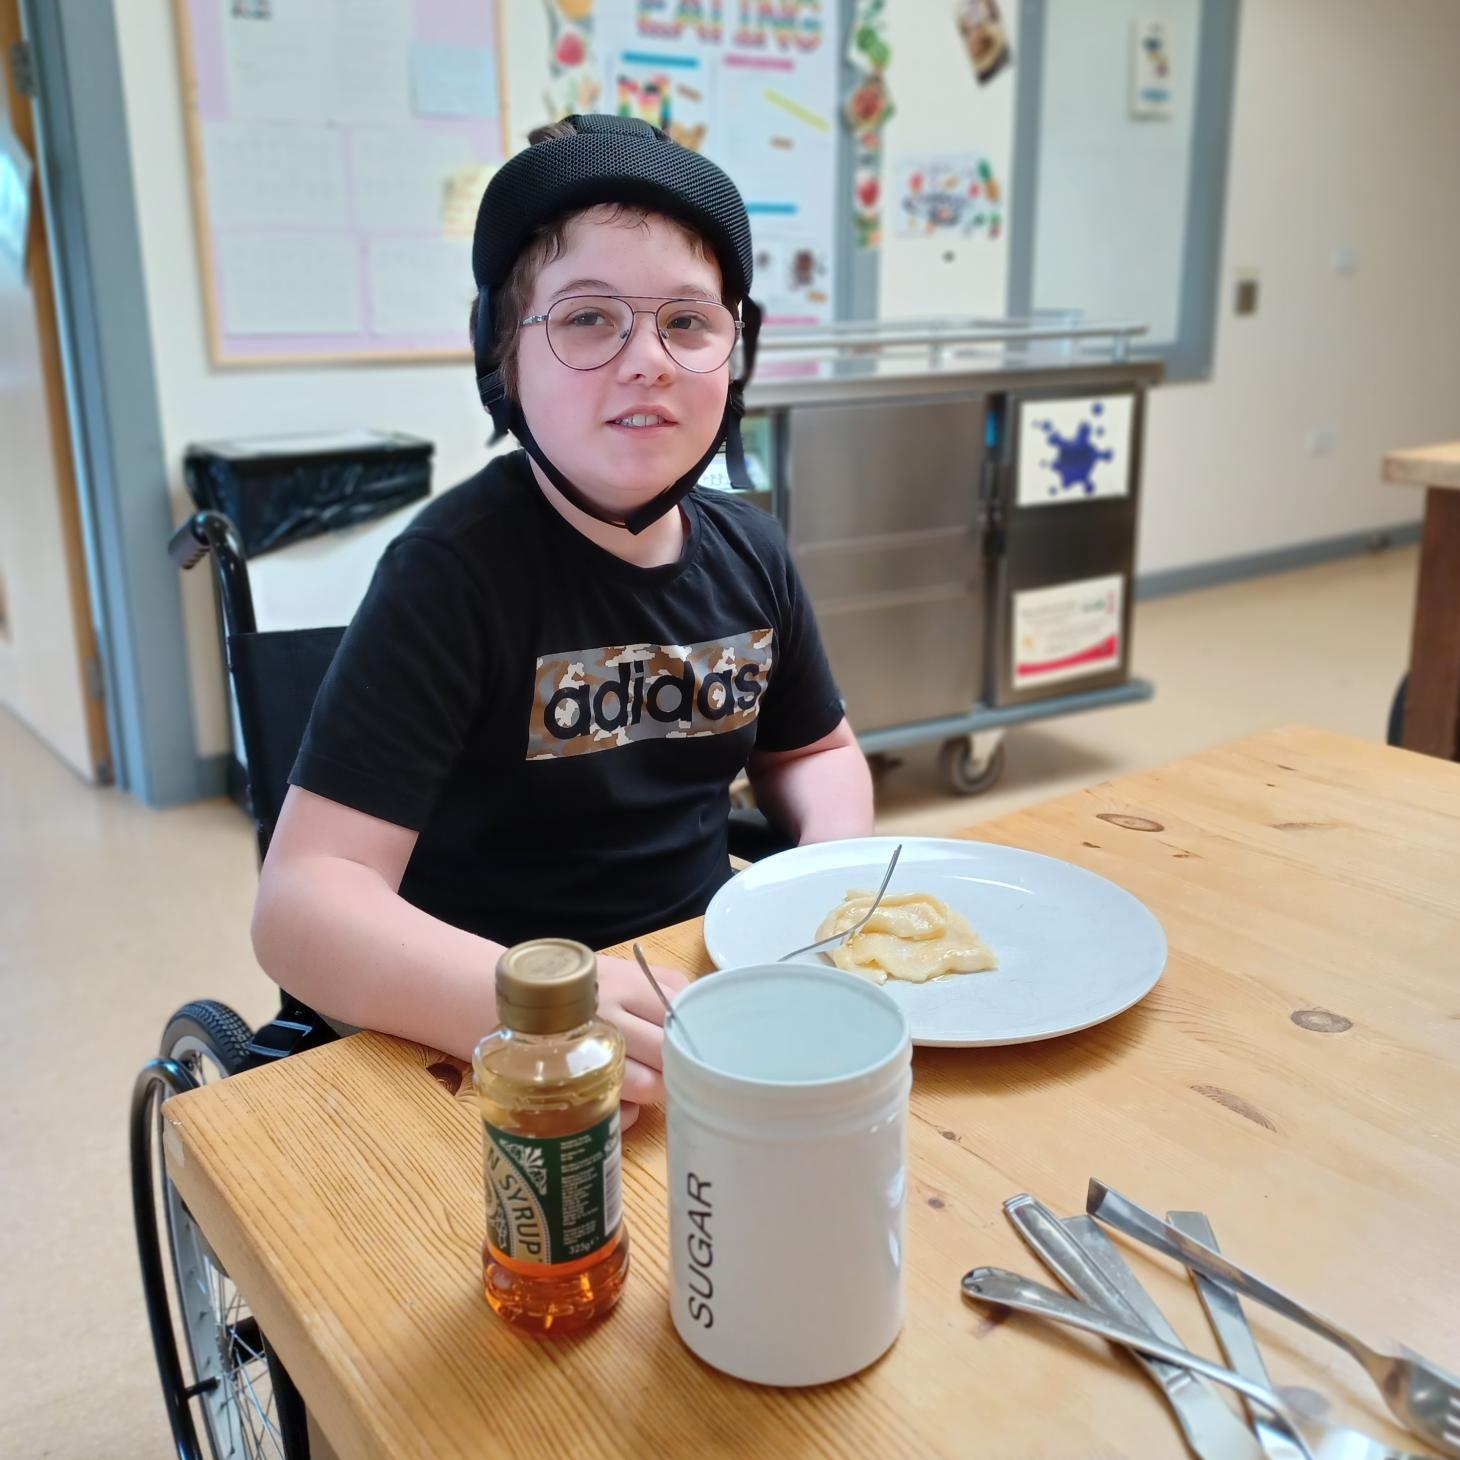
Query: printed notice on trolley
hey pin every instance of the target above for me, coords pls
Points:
(1067, 632)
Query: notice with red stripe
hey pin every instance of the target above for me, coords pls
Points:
(1068, 631)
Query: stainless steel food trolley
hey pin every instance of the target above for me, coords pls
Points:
(961, 497)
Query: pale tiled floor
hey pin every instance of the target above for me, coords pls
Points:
(112, 915)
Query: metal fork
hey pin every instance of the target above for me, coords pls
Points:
(1421, 1395)
(1010, 1290)
(1323, 1437)
(844, 938)
(1303, 1437)
(1328, 1441)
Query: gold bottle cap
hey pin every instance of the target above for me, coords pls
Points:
(547, 985)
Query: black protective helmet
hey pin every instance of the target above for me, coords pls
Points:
(611, 160)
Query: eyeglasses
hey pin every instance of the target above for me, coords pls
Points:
(586, 331)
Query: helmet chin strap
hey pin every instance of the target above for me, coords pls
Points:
(642, 516)
(507, 415)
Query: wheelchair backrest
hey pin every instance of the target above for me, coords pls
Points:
(276, 676)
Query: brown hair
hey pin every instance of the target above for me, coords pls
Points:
(510, 302)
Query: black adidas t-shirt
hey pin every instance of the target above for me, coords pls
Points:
(560, 726)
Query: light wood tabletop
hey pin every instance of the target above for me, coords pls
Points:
(1295, 1075)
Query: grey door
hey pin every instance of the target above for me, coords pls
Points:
(882, 514)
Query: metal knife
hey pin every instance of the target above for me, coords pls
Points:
(1229, 1323)
(1212, 1430)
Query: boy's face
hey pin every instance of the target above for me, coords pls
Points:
(572, 412)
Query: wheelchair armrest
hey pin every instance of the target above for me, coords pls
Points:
(753, 835)
(296, 1027)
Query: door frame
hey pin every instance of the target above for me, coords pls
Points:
(37, 267)
(85, 168)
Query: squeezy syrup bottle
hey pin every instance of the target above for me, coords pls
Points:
(548, 1080)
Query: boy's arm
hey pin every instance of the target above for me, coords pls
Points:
(330, 926)
(819, 793)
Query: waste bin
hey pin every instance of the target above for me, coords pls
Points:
(280, 489)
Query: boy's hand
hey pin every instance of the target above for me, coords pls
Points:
(625, 999)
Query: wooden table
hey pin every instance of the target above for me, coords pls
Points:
(1296, 1074)
(1432, 702)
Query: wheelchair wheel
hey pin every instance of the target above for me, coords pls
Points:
(248, 1404)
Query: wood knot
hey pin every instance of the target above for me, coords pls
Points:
(447, 1075)
(949, 1135)
(1236, 1104)
(1321, 1021)
(1129, 823)
(1299, 825)
(937, 1203)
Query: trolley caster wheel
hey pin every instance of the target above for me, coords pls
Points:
(964, 774)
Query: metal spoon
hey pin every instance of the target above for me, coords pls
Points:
(670, 1017)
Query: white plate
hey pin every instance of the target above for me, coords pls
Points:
(1073, 948)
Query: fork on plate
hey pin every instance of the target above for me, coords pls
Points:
(841, 939)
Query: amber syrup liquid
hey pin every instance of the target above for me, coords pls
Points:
(546, 1086)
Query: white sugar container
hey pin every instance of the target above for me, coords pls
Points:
(788, 1106)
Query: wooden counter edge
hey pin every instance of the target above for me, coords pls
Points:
(1425, 466)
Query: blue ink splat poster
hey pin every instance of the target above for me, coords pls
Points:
(1074, 450)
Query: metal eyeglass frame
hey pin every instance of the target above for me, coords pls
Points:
(624, 338)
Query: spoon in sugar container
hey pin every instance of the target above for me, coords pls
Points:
(670, 1017)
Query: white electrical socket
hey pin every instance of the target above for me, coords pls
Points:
(1322, 440)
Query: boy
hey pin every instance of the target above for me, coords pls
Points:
(533, 721)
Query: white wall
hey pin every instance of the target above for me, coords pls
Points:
(1345, 133)
(1112, 188)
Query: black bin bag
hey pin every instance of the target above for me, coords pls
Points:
(280, 489)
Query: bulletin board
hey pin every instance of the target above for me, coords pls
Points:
(752, 85)
(338, 151)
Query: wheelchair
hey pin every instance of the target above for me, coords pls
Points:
(248, 1405)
